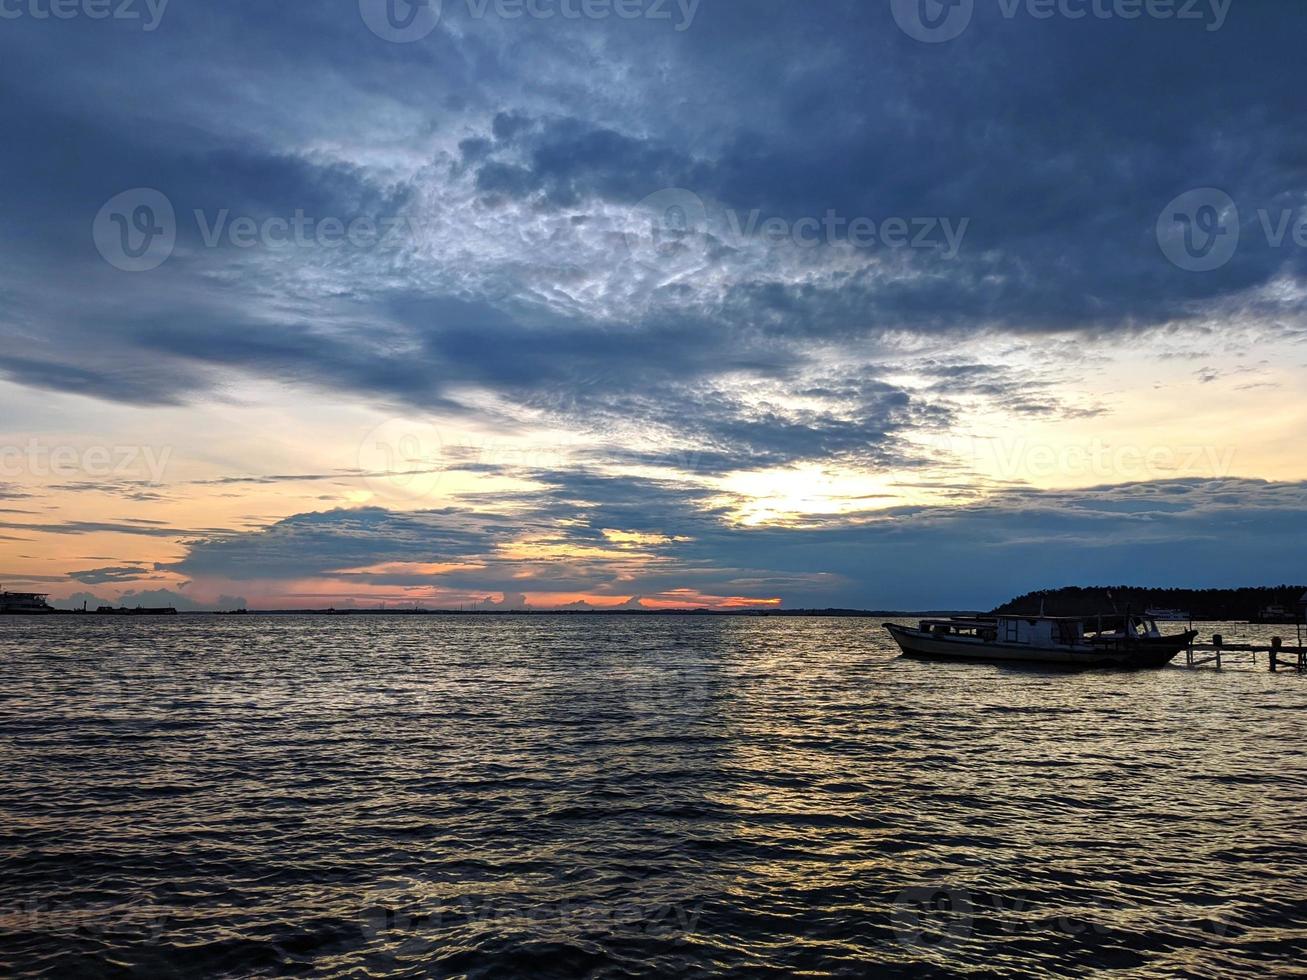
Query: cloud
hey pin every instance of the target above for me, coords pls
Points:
(318, 544)
(1163, 533)
(138, 527)
(508, 602)
(112, 573)
(523, 189)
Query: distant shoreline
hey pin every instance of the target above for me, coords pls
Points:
(1257, 604)
(751, 613)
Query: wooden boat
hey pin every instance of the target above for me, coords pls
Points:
(1129, 641)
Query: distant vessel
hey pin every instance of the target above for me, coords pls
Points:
(138, 611)
(1276, 614)
(1096, 641)
(25, 604)
(1168, 615)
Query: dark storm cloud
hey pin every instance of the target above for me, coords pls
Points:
(570, 160)
(1059, 140)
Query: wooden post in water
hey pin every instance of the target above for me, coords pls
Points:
(1217, 640)
(1276, 644)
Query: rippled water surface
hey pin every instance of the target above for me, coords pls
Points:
(587, 796)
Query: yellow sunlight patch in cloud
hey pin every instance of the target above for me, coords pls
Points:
(631, 539)
(553, 549)
(408, 568)
(786, 496)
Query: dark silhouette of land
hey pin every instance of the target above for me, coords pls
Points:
(1218, 605)
(1281, 603)
(763, 613)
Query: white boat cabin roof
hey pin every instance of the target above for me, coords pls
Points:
(979, 621)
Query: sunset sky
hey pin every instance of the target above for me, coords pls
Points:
(752, 304)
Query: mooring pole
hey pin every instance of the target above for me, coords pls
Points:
(1276, 644)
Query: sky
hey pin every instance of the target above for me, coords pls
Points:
(649, 303)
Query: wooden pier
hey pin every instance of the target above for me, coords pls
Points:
(1276, 653)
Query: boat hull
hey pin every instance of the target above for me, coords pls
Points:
(1146, 652)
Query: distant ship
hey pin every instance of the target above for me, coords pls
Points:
(1094, 641)
(1168, 615)
(138, 611)
(25, 604)
(1276, 614)
(35, 604)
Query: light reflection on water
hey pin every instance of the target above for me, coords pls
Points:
(616, 796)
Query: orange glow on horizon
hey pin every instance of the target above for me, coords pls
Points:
(335, 593)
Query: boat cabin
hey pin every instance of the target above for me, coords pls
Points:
(1042, 631)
